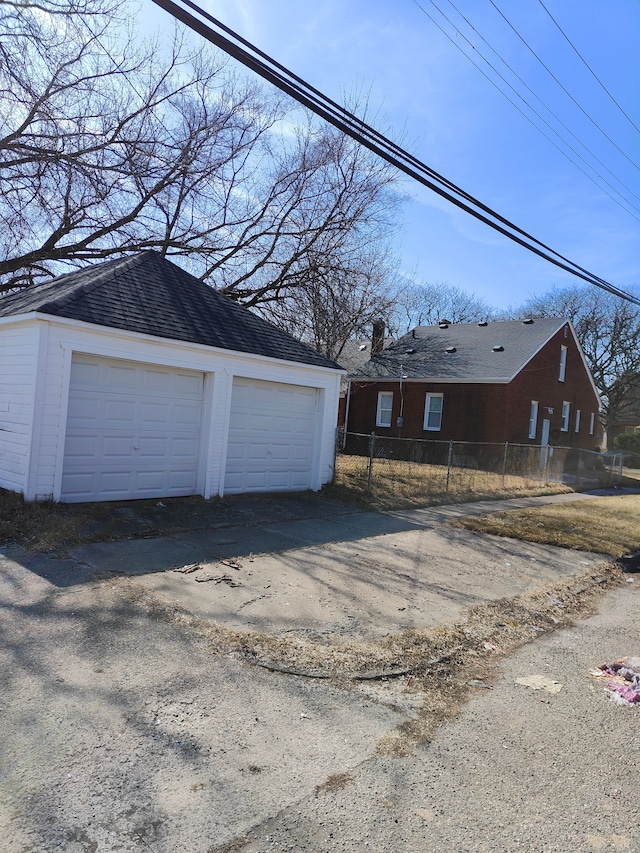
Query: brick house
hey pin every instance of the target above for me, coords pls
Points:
(525, 382)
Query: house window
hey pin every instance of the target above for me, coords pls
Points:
(433, 412)
(592, 423)
(533, 419)
(385, 404)
(577, 420)
(563, 363)
(566, 411)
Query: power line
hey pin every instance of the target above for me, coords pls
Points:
(590, 69)
(564, 89)
(288, 82)
(533, 110)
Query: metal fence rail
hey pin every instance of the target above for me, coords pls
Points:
(405, 466)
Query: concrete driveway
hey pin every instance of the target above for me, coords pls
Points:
(334, 570)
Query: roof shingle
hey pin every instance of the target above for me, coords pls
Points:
(471, 352)
(148, 294)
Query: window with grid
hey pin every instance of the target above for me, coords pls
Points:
(533, 419)
(433, 412)
(385, 405)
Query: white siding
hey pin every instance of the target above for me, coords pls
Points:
(18, 360)
(220, 367)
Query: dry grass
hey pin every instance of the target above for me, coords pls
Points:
(609, 525)
(44, 526)
(401, 485)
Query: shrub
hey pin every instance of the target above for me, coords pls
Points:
(628, 441)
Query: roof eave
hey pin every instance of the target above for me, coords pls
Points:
(144, 336)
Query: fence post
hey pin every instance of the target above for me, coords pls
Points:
(504, 462)
(372, 445)
(449, 460)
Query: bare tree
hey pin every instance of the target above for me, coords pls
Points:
(338, 300)
(427, 304)
(110, 146)
(608, 329)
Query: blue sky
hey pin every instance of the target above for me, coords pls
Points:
(430, 97)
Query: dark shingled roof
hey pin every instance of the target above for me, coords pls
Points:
(148, 294)
(471, 357)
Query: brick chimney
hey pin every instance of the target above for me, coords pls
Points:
(377, 338)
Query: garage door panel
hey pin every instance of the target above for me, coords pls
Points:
(120, 412)
(187, 415)
(111, 482)
(184, 448)
(83, 447)
(155, 413)
(147, 480)
(271, 437)
(156, 379)
(87, 374)
(154, 447)
(187, 383)
(181, 480)
(115, 446)
(130, 433)
(81, 484)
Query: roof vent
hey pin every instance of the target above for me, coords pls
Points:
(528, 321)
(410, 351)
(448, 322)
(498, 348)
(451, 349)
(363, 347)
(443, 325)
(483, 323)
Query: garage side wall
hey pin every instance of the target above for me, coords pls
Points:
(18, 367)
(68, 336)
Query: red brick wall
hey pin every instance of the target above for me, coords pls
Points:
(470, 412)
(539, 380)
(490, 413)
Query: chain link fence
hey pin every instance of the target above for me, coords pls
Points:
(411, 468)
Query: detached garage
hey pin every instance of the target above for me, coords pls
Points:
(133, 379)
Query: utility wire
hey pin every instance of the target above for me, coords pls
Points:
(533, 110)
(589, 68)
(288, 82)
(564, 89)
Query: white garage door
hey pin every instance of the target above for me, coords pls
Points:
(132, 430)
(271, 437)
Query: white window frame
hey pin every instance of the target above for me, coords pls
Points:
(577, 420)
(592, 423)
(566, 415)
(563, 363)
(533, 419)
(384, 397)
(428, 411)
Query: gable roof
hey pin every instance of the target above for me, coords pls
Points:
(148, 294)
(422, 353)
